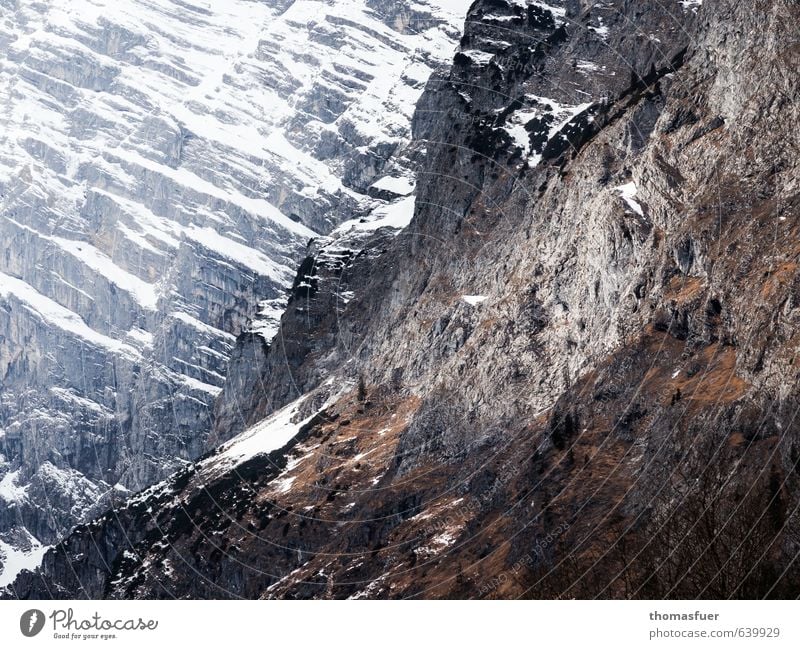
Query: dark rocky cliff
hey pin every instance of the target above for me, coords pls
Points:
(573, 375)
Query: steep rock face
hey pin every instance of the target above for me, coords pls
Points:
(573, 374)
(264, 377)
(163, 166)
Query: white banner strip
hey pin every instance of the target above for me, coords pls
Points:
(386, 625)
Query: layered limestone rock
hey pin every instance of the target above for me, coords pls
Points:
(573, 374)
(163, 166)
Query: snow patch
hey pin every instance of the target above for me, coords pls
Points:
(283, 485)
(478, 57)
(142, 292)
(601, 29)
(400, 186)
(267, 322)
(230, 249)
(474, 300)
(394, 215)
(269, 435)
(81, 402)
(557, 12)
(54, 314)
(587, 67)
(628, 194)
(563, 114)
(9, 491)
(16, 560)
(201, 326)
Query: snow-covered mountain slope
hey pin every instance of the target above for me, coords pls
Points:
(163, 164)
